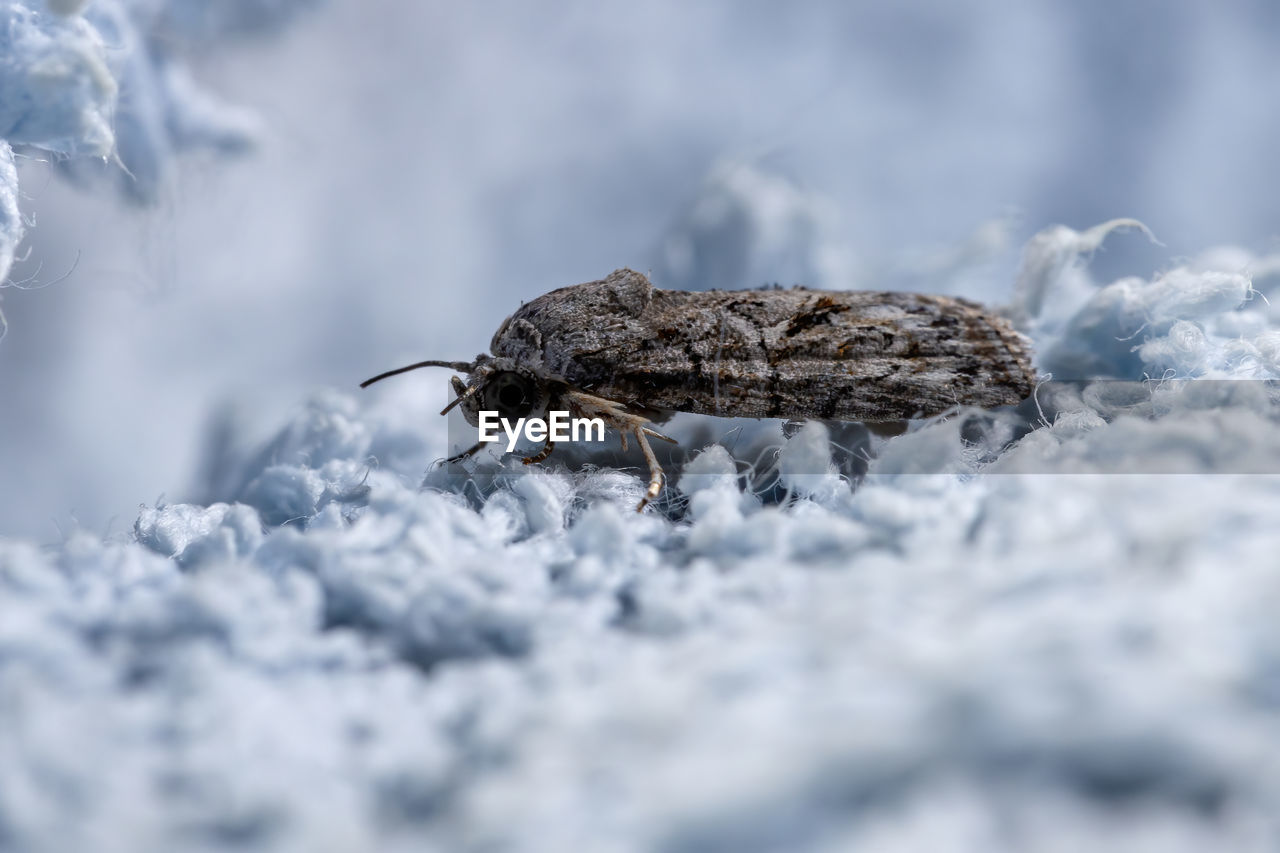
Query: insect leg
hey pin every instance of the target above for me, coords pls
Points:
(655, 434)
(541, 454)
(655, 470)
(466, 454)
(463, 393)
(626, 423)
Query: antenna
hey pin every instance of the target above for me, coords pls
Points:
(463, 366)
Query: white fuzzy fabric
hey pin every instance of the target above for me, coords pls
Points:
(58, 92)
(106, 81)
(11, 225)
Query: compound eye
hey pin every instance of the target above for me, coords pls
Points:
(512, 395)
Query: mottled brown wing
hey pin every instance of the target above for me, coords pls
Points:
(795, 353)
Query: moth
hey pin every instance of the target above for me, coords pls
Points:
(631, 354)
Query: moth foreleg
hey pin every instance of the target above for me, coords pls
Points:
(655, 434)
(541, 454)
(626, 423)
(655, 470)
(466, 454)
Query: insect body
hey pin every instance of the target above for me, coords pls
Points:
(631, 354)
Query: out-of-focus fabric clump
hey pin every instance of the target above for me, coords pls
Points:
(105, 87)
(11, 226)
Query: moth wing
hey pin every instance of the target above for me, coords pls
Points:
(794, 353)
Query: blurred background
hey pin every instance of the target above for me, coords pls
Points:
(419, 169)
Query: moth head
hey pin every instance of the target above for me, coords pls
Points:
(493, 384)
(501, 385)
